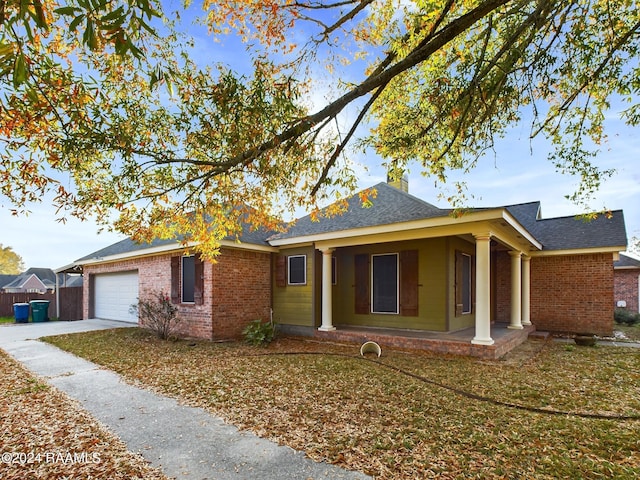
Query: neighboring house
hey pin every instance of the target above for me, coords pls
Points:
(627, 283)
(402, 266)
(34, 280)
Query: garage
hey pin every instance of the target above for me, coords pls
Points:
(114, 293)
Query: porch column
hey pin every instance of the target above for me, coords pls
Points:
(516, 290)
(327, 320)
(526, 290)
(483, 286)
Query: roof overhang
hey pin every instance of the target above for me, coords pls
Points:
(615, 251)
(173, 247)
(498, 223)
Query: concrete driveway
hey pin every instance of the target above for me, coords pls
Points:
(185, 442)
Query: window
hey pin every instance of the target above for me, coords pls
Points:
(334, 271)
(384, 279)
(188, 279)
(297, 270)
(464, 283)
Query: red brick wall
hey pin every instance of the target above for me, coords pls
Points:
(573, 293)
(501, 273)
(626, 287)
(241, 291)
(569, 293)
(237, 290)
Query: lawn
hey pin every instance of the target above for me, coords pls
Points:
(7, 320)
(45, 434)
(546, 411)
(631, 332)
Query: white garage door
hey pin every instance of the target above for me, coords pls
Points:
(114, 295)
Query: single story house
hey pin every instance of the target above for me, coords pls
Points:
(626, 274)
(401, 271)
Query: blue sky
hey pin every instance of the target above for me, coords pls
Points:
(515, 174)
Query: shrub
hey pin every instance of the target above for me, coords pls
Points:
(627, 317)
(158, 314)
(259, 333)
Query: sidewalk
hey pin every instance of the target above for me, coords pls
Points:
(185, 442)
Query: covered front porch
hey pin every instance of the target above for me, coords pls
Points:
(455, 343)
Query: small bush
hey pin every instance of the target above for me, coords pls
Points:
(259, 333)
(158, 314)
(626, 317)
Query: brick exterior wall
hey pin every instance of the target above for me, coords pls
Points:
(573, 293)
(237, 290)
(569, 293)
(241, 291)
(626, 287)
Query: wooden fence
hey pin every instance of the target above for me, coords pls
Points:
(70, 302)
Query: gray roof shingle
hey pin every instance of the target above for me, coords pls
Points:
(389, 206)
(626, 262)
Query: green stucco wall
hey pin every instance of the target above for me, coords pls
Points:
(432, 290)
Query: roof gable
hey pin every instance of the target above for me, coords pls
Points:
(390, 205)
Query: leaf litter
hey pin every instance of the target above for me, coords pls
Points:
(325, 400)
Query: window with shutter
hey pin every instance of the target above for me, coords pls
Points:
(384, 281)
(198, 281)
(297, 270)
(463, 283)
(188, 279)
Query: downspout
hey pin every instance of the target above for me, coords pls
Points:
(58, 296)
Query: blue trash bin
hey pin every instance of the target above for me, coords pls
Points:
(21, 312)
(39, 310)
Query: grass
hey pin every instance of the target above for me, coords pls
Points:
(7, 320)
(45, 434)
(410, 415)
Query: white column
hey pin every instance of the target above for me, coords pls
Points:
(526, 290)
(483, 291)
(327, 320)
(516, 290)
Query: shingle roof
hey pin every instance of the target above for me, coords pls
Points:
(626, 262)
(392, 205)
(389, 206)
(248, 236)
(46, 276)
(567, 233)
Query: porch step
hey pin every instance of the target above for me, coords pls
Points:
(542, 336)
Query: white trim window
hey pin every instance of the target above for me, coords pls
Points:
(188, 279)
(297, 269)
(385, 291)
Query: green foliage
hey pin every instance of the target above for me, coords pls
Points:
(439, 81)
(259, 333)
(10, 262)
(158, 314)
(626, 317)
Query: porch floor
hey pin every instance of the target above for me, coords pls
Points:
(456, 343)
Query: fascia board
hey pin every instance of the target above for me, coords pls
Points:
(414, 225)
(579, 251)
